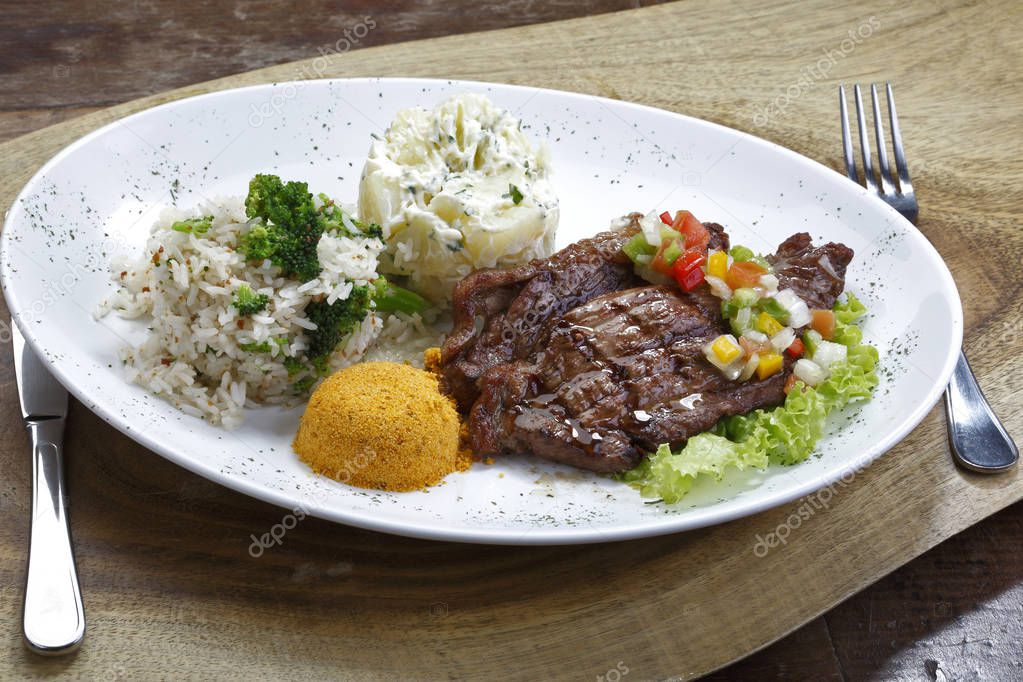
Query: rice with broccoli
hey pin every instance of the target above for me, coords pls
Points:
(255, 302)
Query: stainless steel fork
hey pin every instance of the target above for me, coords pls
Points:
(979, 441)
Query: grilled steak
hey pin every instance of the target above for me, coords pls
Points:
(505, 315)
(816, 274)
(604, 370)
(622, 372)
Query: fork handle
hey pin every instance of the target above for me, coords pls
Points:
(54, 619)
(979, 441)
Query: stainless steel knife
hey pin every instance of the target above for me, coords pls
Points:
(54, 619)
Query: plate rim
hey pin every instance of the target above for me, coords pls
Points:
(554, 535)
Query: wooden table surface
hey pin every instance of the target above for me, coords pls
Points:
(161, 551)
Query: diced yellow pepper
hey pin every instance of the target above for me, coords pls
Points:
(769, 365)
(768, 324)
(717, 264)
(725, 350)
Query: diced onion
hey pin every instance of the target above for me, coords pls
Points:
(644, 259)
(828, 353)
(769, 282)
(712, 358)
(787, 298)
(799, 316)
(749, 367)
(809, 372)
(783, 339)
(743, 319)
(349, 225)
(718, 287)
(731, 370)
(651, 225)
(759, 338)
(799, 312)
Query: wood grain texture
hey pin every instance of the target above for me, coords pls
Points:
(78, 57)
(171, 590)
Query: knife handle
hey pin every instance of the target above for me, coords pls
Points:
(54, 619)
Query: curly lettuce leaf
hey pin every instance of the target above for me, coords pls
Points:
(783, 435)
(669, 475)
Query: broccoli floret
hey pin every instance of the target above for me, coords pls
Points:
(258, 243)
(388, 298)
(249, 302)
(370, 229)
(333, 322)
(304, 384)
(291, 226)
(199, 225)
(264, 347)
(293, 365)
(287, 205)
(334, 221)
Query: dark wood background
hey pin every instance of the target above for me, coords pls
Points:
(953, 613)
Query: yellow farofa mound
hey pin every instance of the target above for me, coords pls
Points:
(381, 425)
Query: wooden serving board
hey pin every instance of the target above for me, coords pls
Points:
(171, 590)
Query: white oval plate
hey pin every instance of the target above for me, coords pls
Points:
(100, 195)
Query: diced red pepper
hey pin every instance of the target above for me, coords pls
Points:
(697, 236)
(687, 270)
(666, 218)
(744, 274)
(796, 349)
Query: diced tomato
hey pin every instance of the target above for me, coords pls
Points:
(796, 349)
(667, 253)
(666, 218)
(823, 322)
(790, 383)
(744, 274)
(687, 270)
(697, 236)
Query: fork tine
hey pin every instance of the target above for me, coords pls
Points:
(868, 165)
(900, 155)
(847, 147)
(887, 184)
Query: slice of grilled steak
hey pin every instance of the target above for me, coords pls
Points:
(817, 274)
(505, 315)
(624, 371)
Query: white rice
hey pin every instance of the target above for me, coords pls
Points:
(184, 285)
(404, 338)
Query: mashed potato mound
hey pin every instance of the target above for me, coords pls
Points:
(381, 425)
(456, 189)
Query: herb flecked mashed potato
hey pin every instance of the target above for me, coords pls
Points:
(456, 189)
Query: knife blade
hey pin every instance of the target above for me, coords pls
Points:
(53, 620)
(41, 396)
